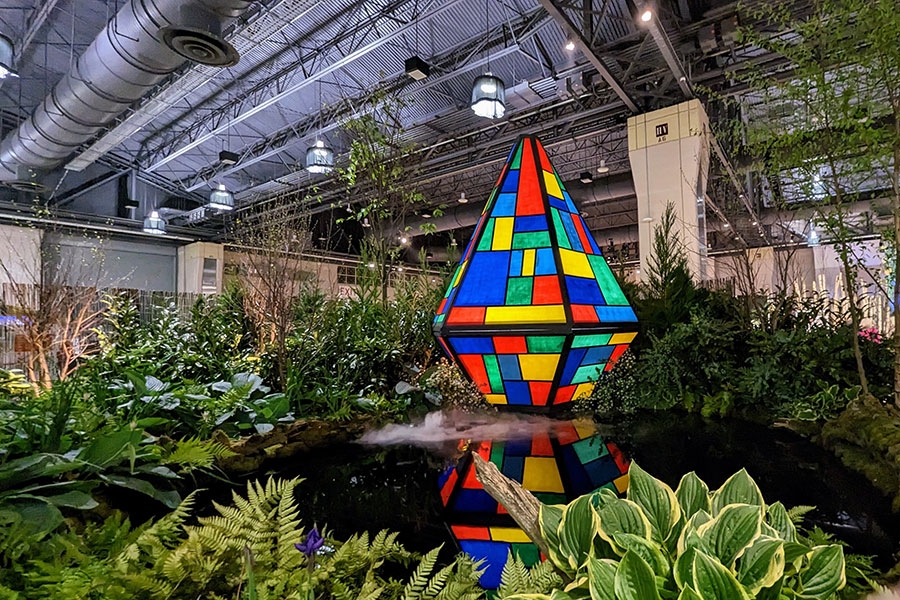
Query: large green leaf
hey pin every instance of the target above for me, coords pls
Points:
(170, 498)
(692, 494)
(550, 515)
(684, 568)
(622, 516)
(778, 519)
(73, 499)
(794, 553)
(689, 537)
(576, 530)
(731, 532)
(30, 516)
(110, 449)
(737, 489)
(712, 581)
(602, 578)
(762, 564)
(635, 579)
(688, 593)
(656, 499)
(825, 573)
(649, 550)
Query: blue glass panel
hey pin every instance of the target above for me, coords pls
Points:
(520, 447)
(572, 233)
(494, 554)
(556, 202)
(597, 355)
(515, 263)
(479, 285)
(624, 314)
(517, 392)
(511, 184)
(572, 363)
(472, 345)
(474, 501)
(532, 223)
(505, 206)
(578, 478)
(602, 470)
(544, 263)
(509, 366)
(514, 467)
(569, 203)
(583, 290)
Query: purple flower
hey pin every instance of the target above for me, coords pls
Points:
(311, 544)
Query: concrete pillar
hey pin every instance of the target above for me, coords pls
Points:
(669, 154)
(200, 268)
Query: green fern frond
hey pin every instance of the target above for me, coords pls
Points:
(194, 453)
(419, 579)
(796, 513)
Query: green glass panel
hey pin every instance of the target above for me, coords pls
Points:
(531, 239)
(550, 497)
(517, 160)
(527, 553)
(610, 486)
(441, 317)
(594, 339)
(518, 291)
(588, 373)
(561, 236)
(590, 449)
(612, 293)
(493, 373)
(450, 287)
(487, 238)
(561, 184)
(497, 454)
(545, 343)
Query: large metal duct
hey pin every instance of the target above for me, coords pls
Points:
(144, 42)
(620, 185)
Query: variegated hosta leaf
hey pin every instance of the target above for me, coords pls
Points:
(622, 516)
(684, 568)
(634, 579)
(578, 589)
(692, 494)
(732, 531)
(689, 537)
(656, 499)
(824, 575)
(602, 578)
(689, 594)
(737, 489)
(576, 530)
(778, 517)
(794, 553)
(550, 516)
(647, 549)
(762, 564)
(712, 581)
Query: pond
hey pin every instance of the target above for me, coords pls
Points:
(354, 487)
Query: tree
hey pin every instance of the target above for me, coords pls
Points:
(830, 133)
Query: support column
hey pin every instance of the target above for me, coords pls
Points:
(669, 154)
(200, 268)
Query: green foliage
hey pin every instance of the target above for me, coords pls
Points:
(246, 550)
(516, 578)
(14, 383)
(690, 543)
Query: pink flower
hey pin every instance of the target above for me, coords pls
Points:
(871, 334)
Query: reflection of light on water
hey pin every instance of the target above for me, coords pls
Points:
(438, 428)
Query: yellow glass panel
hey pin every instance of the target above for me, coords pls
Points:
(541, 475)
(503, 231)
(496, 398)
(550, 313)
(622, 483)
(575, 263)
(622, 338)
(582, 391)
(456, 279)
(509, 534)
(584, 428)
(528, 263)
(538, 367)
(552, 185)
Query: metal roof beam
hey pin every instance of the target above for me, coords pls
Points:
(36, 20)
(428, 11)
(562, 19)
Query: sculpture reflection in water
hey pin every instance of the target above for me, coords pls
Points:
(556, 466)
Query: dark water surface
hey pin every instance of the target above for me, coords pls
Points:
(352, 488)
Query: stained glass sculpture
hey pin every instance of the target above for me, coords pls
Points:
(556, 467)
(533, 314)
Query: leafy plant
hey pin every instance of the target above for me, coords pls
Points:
(826, 403)
(690, 543)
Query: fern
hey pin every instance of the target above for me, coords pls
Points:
(193, 453)
(516, 578)
(796, 513)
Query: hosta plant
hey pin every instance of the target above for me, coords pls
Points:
(686, 544)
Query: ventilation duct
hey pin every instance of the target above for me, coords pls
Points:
(144, 42)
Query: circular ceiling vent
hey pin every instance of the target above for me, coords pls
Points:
(200, 46)
(25, 185)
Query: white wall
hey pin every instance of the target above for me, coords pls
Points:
(20, 254)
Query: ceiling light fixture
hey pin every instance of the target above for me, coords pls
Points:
(646, 15)
(6, 58)
(489, 96)
(462, 198)
(570, 45)
(154, 224)
(228, 158)
(220, 199)
(603, 168)
(586, 177)
(416, 68)
(320, 158)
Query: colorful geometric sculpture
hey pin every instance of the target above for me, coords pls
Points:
(533, 314)
(557, 467)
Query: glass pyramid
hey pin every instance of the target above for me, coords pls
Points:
(533, 314)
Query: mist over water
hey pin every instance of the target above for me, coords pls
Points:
(440, 428)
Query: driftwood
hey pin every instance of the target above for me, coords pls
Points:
(521, 505)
